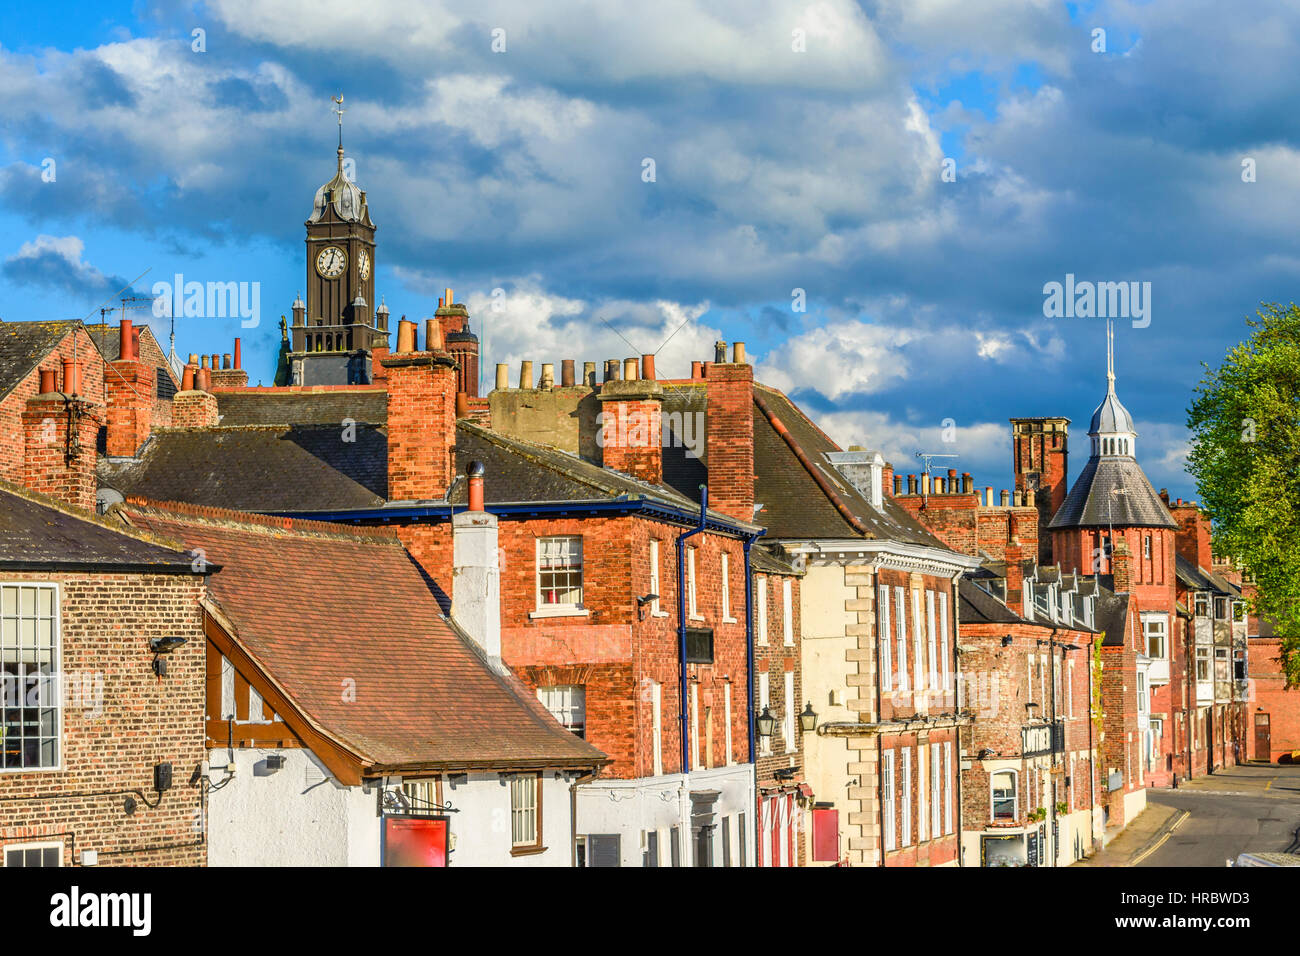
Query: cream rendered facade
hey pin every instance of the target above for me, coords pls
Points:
(839, 635)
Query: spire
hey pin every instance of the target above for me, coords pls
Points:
(1110, 355)
(340, 111)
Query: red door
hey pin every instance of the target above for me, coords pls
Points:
(1263, 742)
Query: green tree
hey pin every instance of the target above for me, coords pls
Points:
(1245, 456)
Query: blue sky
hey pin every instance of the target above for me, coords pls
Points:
(775, 169)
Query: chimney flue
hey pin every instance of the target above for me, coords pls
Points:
(589, 374)
(526, 374)
(405, 336)
(548, 376)
(1005, 498)
(719, 352)
(47, 380)
(476, 485)
(225, 361)
(629, 369)
(71, 377)
(239, 362)
(911, 484)
(447, 298)
(648, 367)
(738, 353)
(697, 370)
(503, 376)
(566, 373)
(125, 340)
(432, 335)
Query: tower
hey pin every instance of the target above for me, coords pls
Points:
(1040, 451)
(334, 330)
(462, 343)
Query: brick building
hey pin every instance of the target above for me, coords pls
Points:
(364, 727)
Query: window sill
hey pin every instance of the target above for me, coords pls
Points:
(729, 620)
(658, 613)
(694, 617)
(560, 612)
(527, 850)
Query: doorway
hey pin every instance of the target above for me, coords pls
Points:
(1263, 738)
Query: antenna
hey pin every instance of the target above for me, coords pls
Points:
(926, 457)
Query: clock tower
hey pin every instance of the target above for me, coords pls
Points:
(335, 329)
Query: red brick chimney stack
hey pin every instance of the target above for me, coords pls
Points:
(729, 435)
(59, 432)
(421, 418)
(130, 389)
(1120, 567)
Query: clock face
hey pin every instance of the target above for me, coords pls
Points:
(331, 262)
(363, 265)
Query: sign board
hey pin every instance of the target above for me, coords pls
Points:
(1037, 740)
(414, 840)
(1031, 849)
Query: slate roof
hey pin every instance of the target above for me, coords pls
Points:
(766, 561)
(306, 406)
(1091, 504)
(24, 345)
(977, 606)
(793, 504)
(1192, 576)
(315, 604)
(312, 468)
(1111, 615)
(39, 533)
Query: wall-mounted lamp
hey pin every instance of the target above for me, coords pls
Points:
(163, 645)
(1006, 640)
(641, 602)
(765, 723)
(807, 718)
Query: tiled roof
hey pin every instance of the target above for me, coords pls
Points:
(23, 345)
(766, 561)
(37, 532)
(316, 605)
(1112, 491)
(793, 503)
(306, 406)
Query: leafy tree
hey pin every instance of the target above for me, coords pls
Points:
(1245, 423)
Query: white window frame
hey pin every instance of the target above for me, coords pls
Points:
(885, 666)
(657, 726)
(934, 639)
(935, 790)
(918, 634)
(760, 581)
(1042, 680)
(56, 676)
(918, 652)
(566, 703)
(904, 673)
(887, 801)
(764, 700)
(788, 729)
(695, 725)
(726, 706)
(523, 813)
(948, 774)
(1162, 619)
(906, 791)
(1069, 688)
(945, 639)
(543, 607)
(1029, 675)
(726, 589)
(692, 609)
(1015, 794)
(656, 610)
(24, 847)
(787, 612)
(922, 792)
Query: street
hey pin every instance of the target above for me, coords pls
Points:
(1236, 810)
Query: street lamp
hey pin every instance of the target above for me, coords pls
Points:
(765, 723)
(807, 718)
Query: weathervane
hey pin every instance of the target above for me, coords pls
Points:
(340, 111)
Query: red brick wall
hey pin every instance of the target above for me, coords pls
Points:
(76, 343)
(1272, 698)
(112, 740)
(1040, 453)
(130, 388)
(53, 466)
(934, 851)
(632, 438)
(776, 658)
(421, 424)
(897, 703)
(619, 650)
(194, 409)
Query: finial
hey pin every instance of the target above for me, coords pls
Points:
(340, 111)
(1110, 353)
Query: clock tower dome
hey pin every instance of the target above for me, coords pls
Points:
(335, 329)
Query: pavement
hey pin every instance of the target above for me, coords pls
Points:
(1209, 820)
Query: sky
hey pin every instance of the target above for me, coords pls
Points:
(872, 196)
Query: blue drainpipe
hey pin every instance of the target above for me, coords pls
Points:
(681, 626)
(749, 645)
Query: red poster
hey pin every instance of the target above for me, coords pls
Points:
(415, 841)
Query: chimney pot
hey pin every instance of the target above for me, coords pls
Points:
(629, 369)
(589, 374)
(203, 362)
(447, 296)
(548, 376)
(71, 377)
(566, 373)
(1005, 498)
(462, 405)
(187, 378)
(648, 367)
(898, 485)
(216, 358)
(526, 374)
(125, 341)
(697, 370)
(503, 375)
(911, 484)
(738, 353)
(225, 361)
(194, 359)
(47, 380)
(205, 379)
(238, 360)
(405, 336)
(967, 483)
(475, 472)
(432, 335)
(719, 351)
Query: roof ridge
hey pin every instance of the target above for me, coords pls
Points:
(73, 323)
(512, 443)
(800, 412)
(55, 504)
(254, 521)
